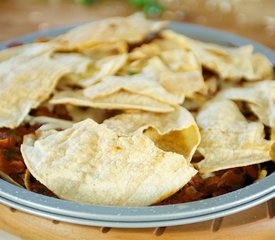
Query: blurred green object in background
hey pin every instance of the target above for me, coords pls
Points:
(153, 9)
(86, 2)
(138, 3)
(150, 7)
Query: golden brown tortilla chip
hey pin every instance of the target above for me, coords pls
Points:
(49, 122)
(103, 50)
(131, 29)
(104, 67)
(180, 83)
(76, 62)
(92, 164)
(177, 69)
(260, 98)
(10, 52)
(27, 79)
(148, 50)
(176, 131)
(139, 83)
(118, 100)
(25, 51)
(79, 66)
(230, 63)
(228, 139)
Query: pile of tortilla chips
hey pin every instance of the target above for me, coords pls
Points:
(146, 103)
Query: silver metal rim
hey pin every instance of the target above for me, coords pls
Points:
(145, 224)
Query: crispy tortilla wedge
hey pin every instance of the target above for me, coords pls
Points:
(90, 163)
(176, 131)
(229, 140)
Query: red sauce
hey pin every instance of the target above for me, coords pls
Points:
(11, 160)
(222, 182)
(36, 186)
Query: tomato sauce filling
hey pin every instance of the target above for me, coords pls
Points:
(11, 160)
(221, 182)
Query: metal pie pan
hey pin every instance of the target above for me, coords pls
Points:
(144, 216)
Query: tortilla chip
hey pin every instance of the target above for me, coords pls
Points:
(183, 83)
(171, 40)
(131, 29)
(220, 114)
(228, 62)
(119, 100)
(79, 113)
(176, 131)
(76, 62)
(155, 49)
(10, 52)
(180, 61)
(24, 51)
(103, 50)
(177, 69)
(132, 123)
(92, 164)
(26, 79)
(132, 68)
(260, 98)
(49, 122)
(195, 103)
(147, 50)
(139, 83)
(212, 85)
(229, 140)
(27, 180)
(262, 67)
(105, 67)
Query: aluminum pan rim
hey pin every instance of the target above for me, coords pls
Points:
(124, 214)
(128, 224)
(246, 195)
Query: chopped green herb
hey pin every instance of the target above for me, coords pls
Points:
(8, 154)
(130, 72)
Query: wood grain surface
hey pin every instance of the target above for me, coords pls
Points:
(248, 225)
(20, 17)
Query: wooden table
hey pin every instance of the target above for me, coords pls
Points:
(19, 17)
